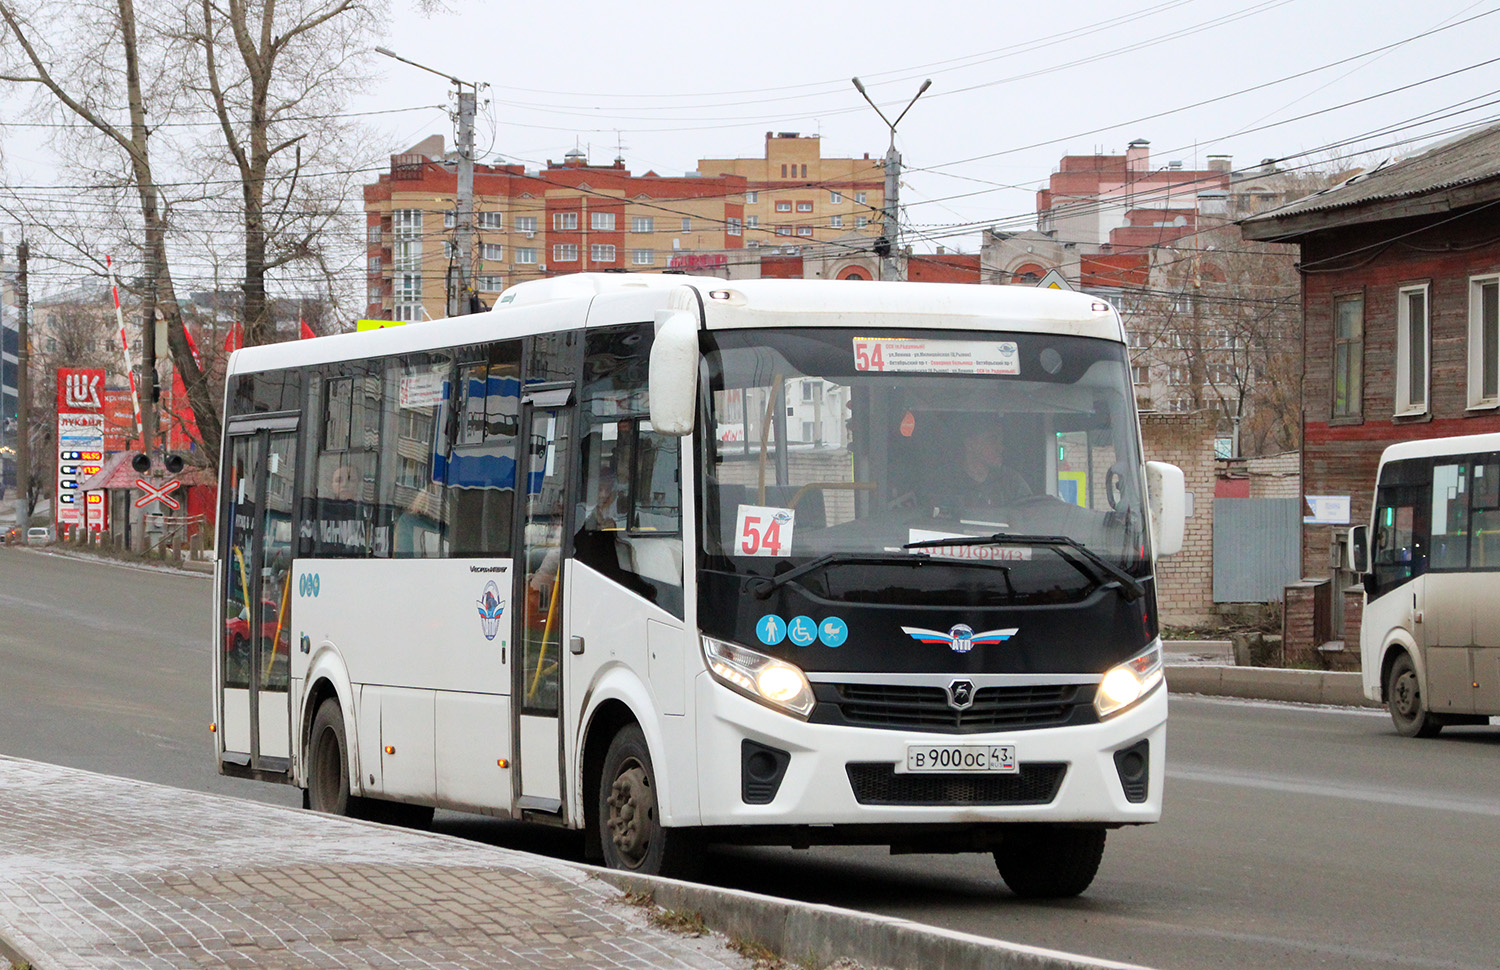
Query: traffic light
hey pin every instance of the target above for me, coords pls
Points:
(141, 462)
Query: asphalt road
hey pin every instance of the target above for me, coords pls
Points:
(1294, 837)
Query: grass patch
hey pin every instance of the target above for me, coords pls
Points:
(763, 957)
(683, 922)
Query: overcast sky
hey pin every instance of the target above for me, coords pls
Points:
(1014, 87)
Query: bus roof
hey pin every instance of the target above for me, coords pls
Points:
(575, 301)
(1432, 447)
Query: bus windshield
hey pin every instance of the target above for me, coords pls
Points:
(828, 451)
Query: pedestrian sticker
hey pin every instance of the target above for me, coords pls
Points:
(802, 631)
(771, 629)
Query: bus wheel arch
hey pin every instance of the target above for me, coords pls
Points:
(607, 720)
(1404, 697)
(627, 817)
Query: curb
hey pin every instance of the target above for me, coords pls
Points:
(812, 934)
(1339, 688)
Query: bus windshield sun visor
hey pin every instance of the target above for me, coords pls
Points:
(1128, 585)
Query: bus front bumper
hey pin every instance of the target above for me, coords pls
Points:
(839, 775)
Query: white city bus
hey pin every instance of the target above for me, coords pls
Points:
(1430, 634)
(471, 564)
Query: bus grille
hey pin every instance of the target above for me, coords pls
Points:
(905, 707)
(876, 783)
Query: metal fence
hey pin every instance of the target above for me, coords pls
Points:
(1257, 548)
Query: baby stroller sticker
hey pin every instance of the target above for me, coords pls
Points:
(490, 607)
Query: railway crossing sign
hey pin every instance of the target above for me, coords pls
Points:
(156, 493)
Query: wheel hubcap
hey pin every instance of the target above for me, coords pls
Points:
(1405, 694)
(632, 812)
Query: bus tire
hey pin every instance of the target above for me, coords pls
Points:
(1050, 862)
(1403, 696)
(328, 762)
(630, 828)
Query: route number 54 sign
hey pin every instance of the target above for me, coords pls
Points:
(763, 531)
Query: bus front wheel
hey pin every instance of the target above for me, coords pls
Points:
(630, 826)
(328, 762)
(1403, 695)
(1050, 862)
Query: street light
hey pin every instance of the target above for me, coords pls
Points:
(888, 246)
(464, 216)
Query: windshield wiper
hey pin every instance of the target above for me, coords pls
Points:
(763, 586)
(1128, 585)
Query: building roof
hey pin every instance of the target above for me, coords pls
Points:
(1451, 175)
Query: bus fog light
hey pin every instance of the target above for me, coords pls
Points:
(773, 682)
(1128, 682)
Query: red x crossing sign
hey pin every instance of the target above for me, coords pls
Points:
(157, 492)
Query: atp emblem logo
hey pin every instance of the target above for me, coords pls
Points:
(961, 638)
(491, 606)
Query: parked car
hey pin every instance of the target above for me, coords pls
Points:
(38, 535)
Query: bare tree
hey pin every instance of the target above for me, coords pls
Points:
(86, 82)
(275, 76)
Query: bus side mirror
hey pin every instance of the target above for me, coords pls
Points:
(1359, 549)
(1167, 496)
(673, 378)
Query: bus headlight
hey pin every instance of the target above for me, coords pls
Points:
(1128, 682)
(773, 682)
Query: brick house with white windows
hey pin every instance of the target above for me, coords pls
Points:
(1400, 291)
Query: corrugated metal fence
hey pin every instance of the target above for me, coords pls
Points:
(1257, 548)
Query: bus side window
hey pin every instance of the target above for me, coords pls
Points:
(1396, 557)
(1484, 517)
(481, 468)
(1450, 516)
(412, 491)
(345, 520)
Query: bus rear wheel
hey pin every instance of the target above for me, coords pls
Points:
(630, 828)
(1050, 862)
(328, 762)
(1403, 695)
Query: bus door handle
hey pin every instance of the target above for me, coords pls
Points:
(1416, 614)
(575, 645)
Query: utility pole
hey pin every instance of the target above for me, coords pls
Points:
(888, 246)
(23, 393)
(461, 293)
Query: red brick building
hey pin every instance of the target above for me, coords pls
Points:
(1400, 276)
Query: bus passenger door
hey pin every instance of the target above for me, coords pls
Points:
(546, 425)
(256, 599)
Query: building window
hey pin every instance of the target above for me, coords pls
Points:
(784, 206)
(1412, 343)
(752, 222)
(450, 249)
(525, 223)
(489, 284)
(493, 251)
(565, 253)
(783, 230)
(1348, 356)
(450, 219)
(374, 264)
(1177, 374)
(860, 222)
(835, 222)
(687, 224)
(752, 197)
(804, 206)
(1140, 373)
(408, 287)
(804, 230)
(374, 235)
(564, 220)
(836, 198)
(783, 171)
(601, 253)
(643, 257)
(373, 294)
(804, 171)
(642, 224)
(525, 256)
(1484, 341)
(406, 222)
(494, 221)
(735, 227)
(859, 197)
(407, 254)
(407, 313)
(602, 221)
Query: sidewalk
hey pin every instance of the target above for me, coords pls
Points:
(103, 872)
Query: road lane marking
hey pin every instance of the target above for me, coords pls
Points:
(1328, 789)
